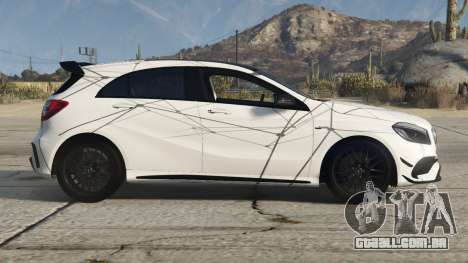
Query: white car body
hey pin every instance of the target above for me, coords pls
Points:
(177, 137)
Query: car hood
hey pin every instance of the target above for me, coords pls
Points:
(362, 110)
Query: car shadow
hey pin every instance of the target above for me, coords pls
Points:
(24, 185)
(220, 190)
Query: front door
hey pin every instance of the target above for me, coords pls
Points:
(253, 129)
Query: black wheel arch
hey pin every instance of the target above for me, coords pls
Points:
(327, 160)
(84, 137)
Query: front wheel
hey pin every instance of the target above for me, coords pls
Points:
(355, 163)
(90, 171)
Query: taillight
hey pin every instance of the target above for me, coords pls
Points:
(52, 107)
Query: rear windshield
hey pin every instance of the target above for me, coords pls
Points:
(67, 84)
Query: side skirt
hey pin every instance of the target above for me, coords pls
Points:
(220, 178)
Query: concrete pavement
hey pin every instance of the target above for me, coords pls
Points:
(197, 221)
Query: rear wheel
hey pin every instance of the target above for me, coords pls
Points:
(356, 162)
(90, 171)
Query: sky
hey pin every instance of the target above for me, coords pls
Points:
(52, 30)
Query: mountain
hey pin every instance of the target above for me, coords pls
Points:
(285, 44)
(43, 28)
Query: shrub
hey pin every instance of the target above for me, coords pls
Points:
(390, 93)
(461, 103)
(359, 85)
(445, 97)
(322, 88)
(11, 92)
(426, 96)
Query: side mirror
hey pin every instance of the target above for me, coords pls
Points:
(284, 100)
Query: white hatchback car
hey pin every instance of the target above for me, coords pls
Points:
(175, 119)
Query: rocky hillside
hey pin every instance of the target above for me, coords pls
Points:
(442, 64)
(286, 43)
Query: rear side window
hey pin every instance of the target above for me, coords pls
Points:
(118, 88)
(157, 84)
(162, 83)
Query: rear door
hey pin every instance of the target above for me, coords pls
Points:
(159, 129)
(254, 128)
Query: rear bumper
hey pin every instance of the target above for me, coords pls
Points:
(37, 160)
(32, 165)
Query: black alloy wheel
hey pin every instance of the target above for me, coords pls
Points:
(91, 171)
(357, 162)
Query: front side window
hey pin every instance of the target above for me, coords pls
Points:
(237, 88)
(233, 88)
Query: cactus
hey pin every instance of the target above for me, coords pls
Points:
(453, 18)
(318, 69)
(314, 71)
(138, 54)
(381, 57)
(313, 74)
(464, 34)
(369, 64)
(436, 35)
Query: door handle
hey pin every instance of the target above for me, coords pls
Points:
(218, 111)
(124, 105)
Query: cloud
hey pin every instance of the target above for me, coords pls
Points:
(149, 11)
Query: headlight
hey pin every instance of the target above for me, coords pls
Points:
(412, 133)
(434, 133)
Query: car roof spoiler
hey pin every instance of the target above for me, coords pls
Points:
(74, 67)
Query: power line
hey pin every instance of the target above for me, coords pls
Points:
(27, 56)
(232, 32)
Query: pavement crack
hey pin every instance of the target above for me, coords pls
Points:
(132, 245)
(276, 218)
(273, 217)
(13, 174)
(34, 225)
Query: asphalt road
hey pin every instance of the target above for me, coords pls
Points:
(198, 221)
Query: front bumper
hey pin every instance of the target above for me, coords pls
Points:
(426, 170)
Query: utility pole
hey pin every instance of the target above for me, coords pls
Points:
(30, 64)
(237, 54)
(237, 45)
(61, 52)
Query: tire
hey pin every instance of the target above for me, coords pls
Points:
(90, 171)
(356, 162)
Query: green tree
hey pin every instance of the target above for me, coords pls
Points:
(29, 75)
(60, 75)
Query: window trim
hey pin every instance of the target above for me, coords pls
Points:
(209, 72)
